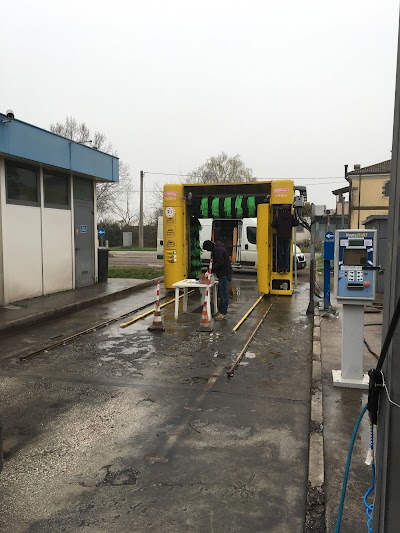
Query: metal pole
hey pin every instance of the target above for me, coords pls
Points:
(386, 507)
(359, 200)
(327, 284)
(342, 198)
(141, 244)
(295, 256)
(310, 309)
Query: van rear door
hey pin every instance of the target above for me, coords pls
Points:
(249, 243)
(228, 231)
(160, 239)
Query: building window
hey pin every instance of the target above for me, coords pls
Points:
(252, 234)
(56, 190)
(22, 184)
(83, 189)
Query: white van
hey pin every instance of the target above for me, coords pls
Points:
(239, 237)
(160, 239)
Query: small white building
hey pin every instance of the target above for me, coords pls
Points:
(48, 234)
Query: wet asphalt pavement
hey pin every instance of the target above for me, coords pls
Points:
(124, 430)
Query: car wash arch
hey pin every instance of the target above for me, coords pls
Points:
(185, 206)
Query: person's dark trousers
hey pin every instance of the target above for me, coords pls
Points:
(223, 293)
(283, 255)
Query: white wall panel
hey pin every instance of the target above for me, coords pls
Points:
(2, 209)
(57, 250)
(22, 257)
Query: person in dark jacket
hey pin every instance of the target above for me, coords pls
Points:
(283, 222)
(222, 268)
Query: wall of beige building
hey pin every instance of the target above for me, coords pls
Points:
(368, 198)
(345, 208)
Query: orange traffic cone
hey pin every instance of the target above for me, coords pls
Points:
(205, 323)
(157, 324)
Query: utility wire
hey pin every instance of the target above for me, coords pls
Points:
(325, 183)
(387, 392)
(172, 174)
(257, 179)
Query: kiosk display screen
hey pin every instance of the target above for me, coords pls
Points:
(354, 257)
(356, 242)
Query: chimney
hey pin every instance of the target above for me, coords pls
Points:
(357, 168)
(345, 170)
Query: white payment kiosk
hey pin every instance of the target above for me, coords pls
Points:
(354, 267)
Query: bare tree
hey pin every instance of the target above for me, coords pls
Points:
(156, 205)
(221, 169)
(121, 200)
(72, 129)
(217, 169)
(113, 199)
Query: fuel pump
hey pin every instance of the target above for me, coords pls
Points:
(354, 269)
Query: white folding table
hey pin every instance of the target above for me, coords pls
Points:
(186, 284)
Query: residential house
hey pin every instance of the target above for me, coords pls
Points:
(342, 205)
(368, 192)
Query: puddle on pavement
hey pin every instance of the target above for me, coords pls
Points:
(125, 354)
(108, 476)
(195, 380)
(107, 359)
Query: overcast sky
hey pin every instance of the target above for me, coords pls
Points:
(297, 88)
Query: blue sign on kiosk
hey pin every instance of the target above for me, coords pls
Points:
(101, 232)
(329, 246)
(329, 254)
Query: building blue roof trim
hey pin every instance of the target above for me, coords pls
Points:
(25, 141)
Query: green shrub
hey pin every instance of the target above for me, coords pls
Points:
(134, 272)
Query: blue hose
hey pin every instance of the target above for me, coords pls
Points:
(347, 469)
(369, 507)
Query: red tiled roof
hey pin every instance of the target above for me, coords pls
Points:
(341, 191)
(378, 168)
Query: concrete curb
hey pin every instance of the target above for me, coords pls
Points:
(48, 314)
(315, 511)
